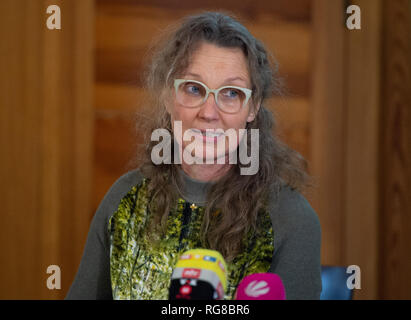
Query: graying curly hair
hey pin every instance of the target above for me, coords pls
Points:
(241, 203)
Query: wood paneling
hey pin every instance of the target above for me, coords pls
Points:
(281, 9)
(118, 97)
(362, 113)
(395, 191)
(46, 137)
(122, 46)
(291, 114)
(345, 137)
(21, 143)
(327, 125)
(116, 141)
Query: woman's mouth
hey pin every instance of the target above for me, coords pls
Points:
(208, 135)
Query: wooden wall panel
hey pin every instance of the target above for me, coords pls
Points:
(298, 10)
(361, 148)
(395, 170)
(21, 142)
(292, 116)
(327, 125)
(46, 137)
(121, 46)
(116, 140)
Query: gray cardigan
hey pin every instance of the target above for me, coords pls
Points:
(297, 241)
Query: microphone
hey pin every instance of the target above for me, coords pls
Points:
(261, 286)
(199, 274)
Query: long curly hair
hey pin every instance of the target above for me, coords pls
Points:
(238, 198)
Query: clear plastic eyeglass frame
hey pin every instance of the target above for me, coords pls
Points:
(246, 91)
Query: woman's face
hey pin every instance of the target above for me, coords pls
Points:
(215, 67)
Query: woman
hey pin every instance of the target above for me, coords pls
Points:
(210, 73)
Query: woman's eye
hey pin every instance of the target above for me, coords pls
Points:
(231, 93)
(193, 89)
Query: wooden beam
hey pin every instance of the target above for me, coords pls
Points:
(297, 10)
(395, 171)
(327, 125)
(20, 142)
(362, 115)
(46, 126)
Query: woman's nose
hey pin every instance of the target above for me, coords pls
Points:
(209, 110)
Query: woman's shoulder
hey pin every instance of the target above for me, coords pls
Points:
(118, 191)
(291, 213)
(124, 183)
(127, 181)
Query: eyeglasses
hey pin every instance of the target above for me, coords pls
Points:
(192, 94)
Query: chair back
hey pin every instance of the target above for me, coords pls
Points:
(334, 282)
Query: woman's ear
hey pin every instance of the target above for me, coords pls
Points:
(253, 112)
